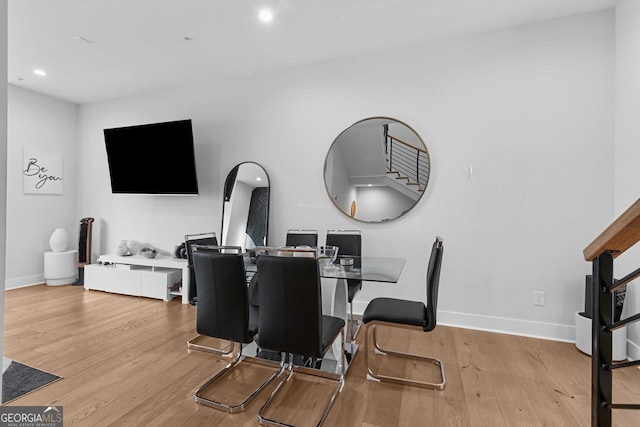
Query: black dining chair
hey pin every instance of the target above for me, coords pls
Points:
(224, 312)
(302, 237)
(399, 313)
(349, 242)
(190, 240)
(291, 322)
(196, 239)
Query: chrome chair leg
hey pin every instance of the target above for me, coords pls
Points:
(354, 324)
(382, 352)
(193, 345)
(351, 334)
(309, 371)
(198, 395)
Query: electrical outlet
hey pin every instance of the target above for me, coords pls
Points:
(538, 298)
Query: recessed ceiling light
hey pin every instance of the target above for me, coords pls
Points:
(39, 72)
(258, 179)
(265, 15)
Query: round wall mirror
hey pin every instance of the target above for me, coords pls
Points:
(245, 212)
(377, 169)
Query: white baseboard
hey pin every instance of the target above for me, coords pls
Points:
(23, 282)
(527, 328)
(633, 350)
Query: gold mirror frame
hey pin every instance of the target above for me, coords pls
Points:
(377, 169)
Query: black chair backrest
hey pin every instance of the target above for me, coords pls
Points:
(290, 318)
(433, 282)
(192, 292)
(348, 244)
(223, 297)
(302, 239)
(254, 304)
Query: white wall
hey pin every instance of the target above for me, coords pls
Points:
(3, 161)
(530, 107)
(381, 203)
(38, 121)
(627, 144)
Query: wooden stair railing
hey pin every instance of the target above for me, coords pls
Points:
(621, 235)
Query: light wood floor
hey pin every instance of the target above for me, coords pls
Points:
(124, 362)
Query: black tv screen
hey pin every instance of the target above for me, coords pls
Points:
(155, 158)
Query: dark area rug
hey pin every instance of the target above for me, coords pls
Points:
(19, 379)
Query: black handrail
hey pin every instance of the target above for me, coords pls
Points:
(622, 234)
(619, 324)
(625, 364)
(626, 279)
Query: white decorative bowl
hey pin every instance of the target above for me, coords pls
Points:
(134, 246)
(149, 254)
(121, 250)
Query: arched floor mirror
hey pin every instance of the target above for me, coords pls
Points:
(245, 211)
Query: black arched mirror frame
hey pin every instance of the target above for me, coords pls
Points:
(245, 209)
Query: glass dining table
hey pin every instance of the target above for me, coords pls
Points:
(334, 278)
(366, 268)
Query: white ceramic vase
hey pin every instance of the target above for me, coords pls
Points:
(59, 240)
(121, 249)
(134, 247)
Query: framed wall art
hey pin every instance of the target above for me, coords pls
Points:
(42, 172)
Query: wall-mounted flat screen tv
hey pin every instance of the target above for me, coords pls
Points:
(155, 158)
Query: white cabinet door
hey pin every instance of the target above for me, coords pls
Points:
(94, 277)
(111, 279)
(125, 282)
(131, 280)
(155, 284)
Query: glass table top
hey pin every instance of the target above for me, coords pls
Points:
(366, 268)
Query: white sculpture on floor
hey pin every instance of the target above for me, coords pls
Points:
(59, 240)
(60, 265)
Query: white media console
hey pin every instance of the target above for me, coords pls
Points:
(139, 276)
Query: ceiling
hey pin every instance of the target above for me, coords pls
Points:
(94, 50)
